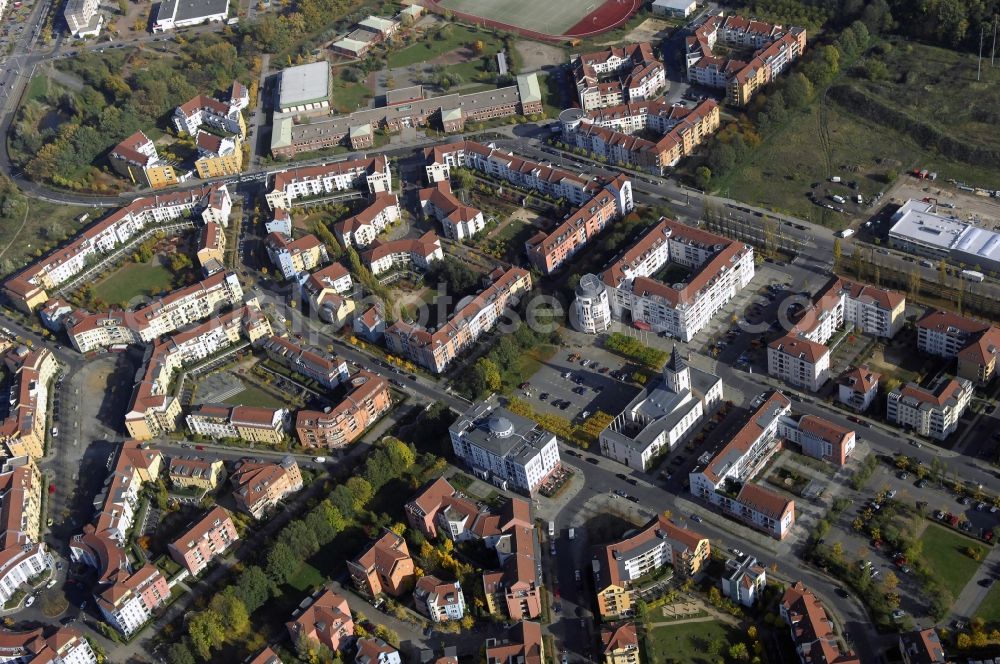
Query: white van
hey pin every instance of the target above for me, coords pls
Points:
(552, 528)
(572, 533)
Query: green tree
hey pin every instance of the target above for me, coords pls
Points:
(738, 652)
(300, 539)
(207, 633)
(281, 563)
(837, 253)
(360, 490)
(799, 90)
(402, 456)
(180, 653)
(233, 613)
(253, 588)
(489, 374)
(703, 176)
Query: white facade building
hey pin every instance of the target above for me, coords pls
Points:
(504, 448)
(661, 415)
(720, 268)
(799, 362)
(744, 581)
(933, 413)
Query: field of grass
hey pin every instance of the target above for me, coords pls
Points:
(989, 610)
(553, 18)
(306, 579)
(134, 280)
(686, 643)
(347, 95)
(44, 226)
(254, 396)
(944, 553)
(430, 47)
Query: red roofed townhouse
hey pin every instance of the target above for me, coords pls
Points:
(459, 221)
(438, 600)
(974, 343)
(818, 437)
(406, 254)
(439, 505)
(522, 644)
(384, 567)
(260, 485)
(207, 539)
(224, 114)
(375, 651)
(732, 467)
(799, 362)
(136, 160)
(659, 543)
(362, 229)
(617, 75)
(933, 411)
(368, 399)
(324, 618)
(620, 644)
(922, 646)
(370, 175)
(813, 633)
(857, 387)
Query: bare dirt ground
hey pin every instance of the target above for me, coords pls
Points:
(979, 210)
(649, 30)
(537, 56)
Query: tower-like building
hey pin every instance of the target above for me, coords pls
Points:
(676, 373)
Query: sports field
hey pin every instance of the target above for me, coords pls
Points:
(553, 17)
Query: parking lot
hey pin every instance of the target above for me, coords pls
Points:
(568, 388)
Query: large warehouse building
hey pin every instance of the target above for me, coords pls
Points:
(304, 88)
(918, 229)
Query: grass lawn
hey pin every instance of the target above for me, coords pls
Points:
(686, 643)
(133, 280)
(431, 47)
(529, 363)
(944, 553)
(45, 226)
(254, 396)
(348, 96)
(306, 579)
(989, 610)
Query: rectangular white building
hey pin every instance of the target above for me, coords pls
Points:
(930, 412)
(509, 450)
(799, 362)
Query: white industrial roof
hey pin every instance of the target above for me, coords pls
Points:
(304, 83)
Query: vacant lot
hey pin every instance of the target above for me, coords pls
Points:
(134, 280)
(551, 18)
(944, 553)
(454, 38)
(688, 642)
(348, 96)
(30, 228)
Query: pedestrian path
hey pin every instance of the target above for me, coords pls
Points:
(973, 594)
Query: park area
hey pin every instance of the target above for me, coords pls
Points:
(689, 641)
(946, 554)
(134, 280)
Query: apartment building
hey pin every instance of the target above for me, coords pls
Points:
(518, 171)
(922, 646)
(152, 409)
(332, 279)
(125, 596)
(819, 438)
(204, 541)
(367, 400)
(522, 644)
(662, 414)
(294, 256)
(724, 480)
(249, 423)
(506, 449)
(160, 317)
(608, 133)
(435, 349)
(281, 222)
(375, 651)
(23, 552)
(83, 18)
(211, 247)
(23, 430)
(933, 411)
(514, 590)
(404, 254)
(370, 175)
(744, 580)
(47, 645)
(385, 566)
(362, 229)
(870, 310)
(857, 387)
(459, 221)
(620, 644)
(265, 656)
(136, 160)
(440, 505)
(191, 471)
(617, 75)
(438, 600)
(328, 370)
(324, 618)
(218, 155)
(172, 14)
(405, 107)
(550, 251)
(370, 325)
(223, 114)
(719, 269)
(812, 630)
(799, 362)
(761, 52)
(617, 566)
(973, 343)
(260, 485)
(29, 288)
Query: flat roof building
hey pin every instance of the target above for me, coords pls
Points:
(674, 8)
(183, 13)
(304, 87)
(919, 229)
